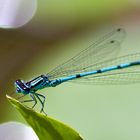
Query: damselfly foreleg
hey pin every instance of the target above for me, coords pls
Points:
(31, 100)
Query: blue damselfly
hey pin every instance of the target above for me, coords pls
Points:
(96, 64)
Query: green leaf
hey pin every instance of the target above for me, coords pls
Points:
(45, 127)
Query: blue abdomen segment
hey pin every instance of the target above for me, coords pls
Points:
(121, 66)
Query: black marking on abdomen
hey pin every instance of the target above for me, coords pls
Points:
(119, 67)
(134, 63)
(78, 75)
(99, 71)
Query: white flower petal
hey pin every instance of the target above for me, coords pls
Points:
(16, 131)
(16, 13)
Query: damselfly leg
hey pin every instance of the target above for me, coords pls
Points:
(42, 102)
(31, 100)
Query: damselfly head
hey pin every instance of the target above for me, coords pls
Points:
(21, 87)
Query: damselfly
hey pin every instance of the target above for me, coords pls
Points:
(96, 64)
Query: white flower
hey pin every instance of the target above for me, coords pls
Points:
(16, 13)
(16, 131)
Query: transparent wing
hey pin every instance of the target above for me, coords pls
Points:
(120, 76)
(104, 48)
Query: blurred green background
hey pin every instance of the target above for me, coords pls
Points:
(58, 31)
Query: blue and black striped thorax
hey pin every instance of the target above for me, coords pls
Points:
(38, 83)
